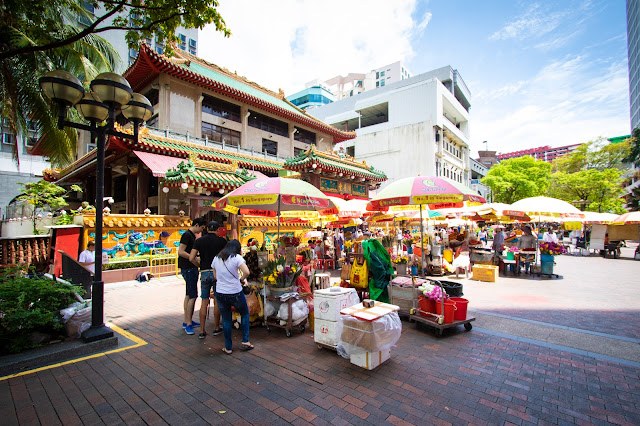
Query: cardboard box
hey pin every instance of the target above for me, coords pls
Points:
(368, 335)
(330, 301)
(325, 332)
(370, 360)
(487, 273)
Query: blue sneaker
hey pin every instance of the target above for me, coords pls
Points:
(188, 329)
(195, 324)
(184, 325)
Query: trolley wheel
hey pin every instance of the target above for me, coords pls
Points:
(302, 328)
(320, 346)
(268, 327)
(288, 332)
(468, 326)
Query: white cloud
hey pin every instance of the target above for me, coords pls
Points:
(284, 44)
(534, 22)
(568, 101)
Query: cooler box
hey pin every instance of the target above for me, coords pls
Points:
(324, 332)
(370, 360)
(487, 273)
(330, 301)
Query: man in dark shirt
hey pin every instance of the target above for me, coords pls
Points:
(208, 246)
(189, 272)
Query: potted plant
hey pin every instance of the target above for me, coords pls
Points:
(414, 267)
(547, 252)
(400, 262)
(279, 277)
(408, 242)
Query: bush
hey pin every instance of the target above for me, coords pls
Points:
(28, 305)
(132, 262)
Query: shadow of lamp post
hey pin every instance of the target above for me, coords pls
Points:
(110, 94)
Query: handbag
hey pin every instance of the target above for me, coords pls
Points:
(345, 273)
(359, 274)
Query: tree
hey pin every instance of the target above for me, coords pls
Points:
(518, 178)
(633, 200)
(41, 194)
(141, 19)
(599, 154)
(41, 35)
(601, 188)
(634, 151)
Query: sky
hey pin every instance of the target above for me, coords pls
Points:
(540, 73)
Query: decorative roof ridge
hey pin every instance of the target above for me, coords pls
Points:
(144, 133)
(225, 71)
(342, 135)
(346, 159)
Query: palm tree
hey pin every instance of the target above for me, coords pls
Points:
(20, 95)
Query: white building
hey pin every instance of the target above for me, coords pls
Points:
(418, 125)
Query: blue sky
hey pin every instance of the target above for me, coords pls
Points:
(540, 73)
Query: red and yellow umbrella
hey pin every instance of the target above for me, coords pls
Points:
(436, 192)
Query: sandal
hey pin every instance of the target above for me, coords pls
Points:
(226, 351)
(247, 346)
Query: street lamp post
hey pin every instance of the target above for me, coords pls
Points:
(110, 94)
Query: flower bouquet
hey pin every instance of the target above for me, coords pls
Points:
(348, 246)
(552, 248)
(279, 276)
(290, 241)
(402, 259)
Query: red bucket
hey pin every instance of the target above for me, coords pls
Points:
(427, 305)
(461, 308)
(449, 309)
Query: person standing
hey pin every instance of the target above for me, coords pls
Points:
(498, 241)
(88, 257)
(231, 273)
(189, 272)
(208, 246)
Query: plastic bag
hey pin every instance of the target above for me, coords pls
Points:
(359, 274)
(78, 323)
(253, 304)
(359, 336)
(271, 308)
(299, 310)
(462, 261)
(70, 311)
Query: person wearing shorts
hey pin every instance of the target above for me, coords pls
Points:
(206, 248)
(189, 272)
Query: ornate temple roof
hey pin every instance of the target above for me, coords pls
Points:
(149, 65)
(207, 174)
(331, 162)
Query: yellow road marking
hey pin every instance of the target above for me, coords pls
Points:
(138, 342)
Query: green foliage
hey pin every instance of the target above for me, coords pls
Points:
(599, 154)
(132, 262)
(633, 200)
(634, 150)
(518, 178)
(602, 188)
(38, 27)
(42, 193)
(28, 305)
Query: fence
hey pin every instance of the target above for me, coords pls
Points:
(163, 264)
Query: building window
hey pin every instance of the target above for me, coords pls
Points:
(182, 41)
(153, 95)
(220, 134)
(133, 54)
(192, 46)
(351, 150)
(304, 136)
(382, 83)
(220, 108)
(268, 124)
(159, 50)
(377, 84)
(153, 121)
(269, 146)
(377, 75)
(382, 74)
(298, 151)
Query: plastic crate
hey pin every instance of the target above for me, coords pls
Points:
(488, 273)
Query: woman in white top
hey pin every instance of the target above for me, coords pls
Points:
(231, 274)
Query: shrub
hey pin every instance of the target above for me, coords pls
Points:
(28, 305)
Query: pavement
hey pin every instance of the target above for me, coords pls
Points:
(542, 351)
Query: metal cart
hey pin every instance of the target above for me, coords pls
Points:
(274, 321)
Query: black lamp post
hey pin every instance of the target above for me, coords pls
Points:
(110, 93)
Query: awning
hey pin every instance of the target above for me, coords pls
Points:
(158, 164)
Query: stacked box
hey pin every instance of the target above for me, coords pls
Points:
(327, 306)
(370, 360)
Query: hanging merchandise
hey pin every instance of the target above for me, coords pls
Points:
(359, 274)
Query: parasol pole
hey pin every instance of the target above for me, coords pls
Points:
(422, 241)
(278, 220)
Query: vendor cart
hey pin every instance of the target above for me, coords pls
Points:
(274, 320)
(437, 321)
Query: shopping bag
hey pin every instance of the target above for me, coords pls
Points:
(345, 273)
(253, 304)
(359, 274)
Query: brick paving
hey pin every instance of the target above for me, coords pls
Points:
(463, 378)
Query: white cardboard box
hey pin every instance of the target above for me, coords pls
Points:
(370, 360)
(330, 301)
(325, 332)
